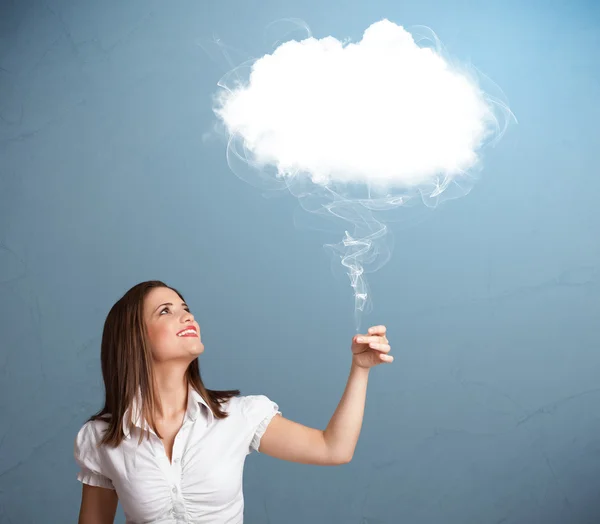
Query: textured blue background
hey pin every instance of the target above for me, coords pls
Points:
(490, 412)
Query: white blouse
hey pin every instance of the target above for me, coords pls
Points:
(202, 485)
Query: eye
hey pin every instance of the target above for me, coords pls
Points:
(167, 309)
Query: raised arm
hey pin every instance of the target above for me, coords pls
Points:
(288, 440)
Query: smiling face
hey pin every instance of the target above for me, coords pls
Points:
(173, 333)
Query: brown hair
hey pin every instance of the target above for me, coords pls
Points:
(127, 367)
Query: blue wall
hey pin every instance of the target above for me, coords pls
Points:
(490, 412)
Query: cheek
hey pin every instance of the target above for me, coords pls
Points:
(158, 336)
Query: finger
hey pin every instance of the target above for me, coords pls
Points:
(377, 330)
(386, 358)
(384, 348)
(367, 340)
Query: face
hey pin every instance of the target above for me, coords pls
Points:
(168, 321)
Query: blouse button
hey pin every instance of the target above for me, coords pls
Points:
(174, 489)
(176, 461)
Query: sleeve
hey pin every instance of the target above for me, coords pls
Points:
(258, 411)
(88, 457)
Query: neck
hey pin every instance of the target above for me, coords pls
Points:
(172, 392)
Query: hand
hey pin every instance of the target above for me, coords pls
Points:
(371, 349)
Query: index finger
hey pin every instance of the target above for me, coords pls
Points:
(377, 330)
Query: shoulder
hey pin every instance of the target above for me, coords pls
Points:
(94, 460)
(253, 406)
(243, 401)
(90, 434)
(250, 408)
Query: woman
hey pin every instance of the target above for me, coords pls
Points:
(171, 450)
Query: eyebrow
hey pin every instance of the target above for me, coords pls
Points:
(170, 304)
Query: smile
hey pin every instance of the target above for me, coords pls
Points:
(190, 332)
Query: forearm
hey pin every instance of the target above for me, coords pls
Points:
(343, 430)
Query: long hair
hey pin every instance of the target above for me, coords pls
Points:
(127, 368)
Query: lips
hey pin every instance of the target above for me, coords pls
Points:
(191, 332)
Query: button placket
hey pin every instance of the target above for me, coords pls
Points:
(177, 444)
(178, 510)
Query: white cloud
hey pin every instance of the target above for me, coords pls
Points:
(382, 111)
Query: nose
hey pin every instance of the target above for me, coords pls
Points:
(188, 317)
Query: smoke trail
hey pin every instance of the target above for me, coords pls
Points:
(355, 130)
